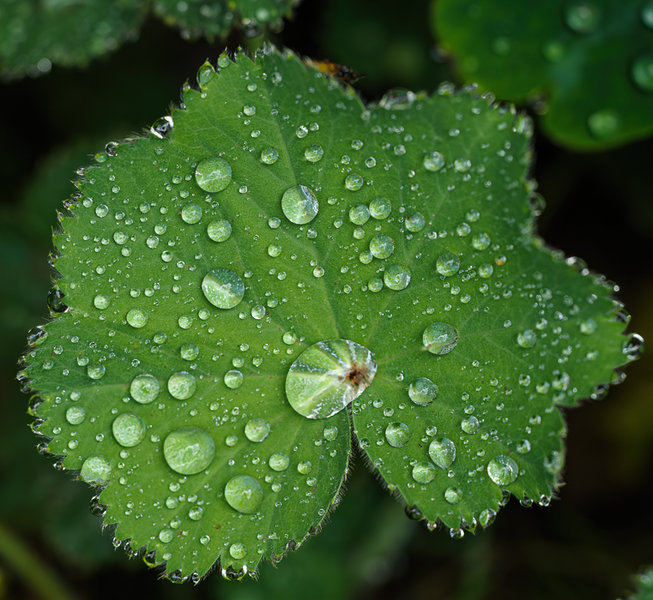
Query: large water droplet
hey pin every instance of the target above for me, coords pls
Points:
(75, 415)
(256, 430)
(243, 493)
(223, 288)
(527, 338)
(503, 470)
(643, 73)
(422, 391)
(582, 16)
(191, 213)
(424, 473)
(452, 495)
(314, 153)
(219, 230)
(279, 461)
(144, 388)
(327, 376)
(396, 277)
(233, 379)
(433, 161)
(442, 452)
(470, 425)
(440, 338)
(128, 429)
(237, 551)
(380, 208)
(188, 450)
(269, 156)
(95, 469)
(213, 174)
(382, 246)
(397, 434)
(182, 385)
(447, 264)
(137, 318)
(415, 222)
(299, 204)
(354, 182)
(359, 215)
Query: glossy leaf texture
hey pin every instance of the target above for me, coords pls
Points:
(34, 35)
(276, 225)
(586, 64)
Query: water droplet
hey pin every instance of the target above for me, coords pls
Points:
(188, 450)
(442, 452)
(422, 391)
(588, 326)
(249, 110)
(166, 535)
(100, 302)
(642, 72)
(96, 371)
(486, 518)
(447, 264)
(440, 338)
(182, 385)
(237, 551)
(269, 156)
(327, 376)
(279, 461)
(397, 434)
(382, 246)
(304, 467)
(223, 288)
(219, 230)
(503, 470)
(330, 433)
(433, 161)
(128, 429)
(375, 284)
(191, 213)
(380, 208)
(603, 124)
(256, 430)
(354, 182)
(137, 318)
(396, 277)
(452, 495)
(95, 469)
(527, 338)
(470, 425)
(243, 493)
(415, 222)
(213, 174)
(481, 241)
(424, 473)
(75, 415)
(582, 16)
(314, 153)
(189, 351)
(299, 204)
(359, 215)
(647, 14)
(233, 379)
(462, 165)
(196, 513)
(144, 388)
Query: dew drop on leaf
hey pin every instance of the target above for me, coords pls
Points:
(314, 153)
(423, 473)
(447, 264)
(415, 222)
(396, 277)
(137, 318)
(299, 204)
(452, 495)
(359, 214)
(422, 391)
(582, 16)
(223, 288)
(191, 213)
(95, 469)
(433, 161)
(279, 461)
(213, 174)
(237, 551)
(233, 379)
(75, 415)
(470, 425)
(327, 376)
(502, 470)
(354, 182)
(440, 338)
(243, 493)
(642, 73)
(144, 388)
(256, 430)
(188, 450)
(128, 429)
(382, 246)
(380, 208)
(96, 371)
(397, 434)
(442, 452)
(182, 385)
(219, 230)
(269, 156)
(527, 338)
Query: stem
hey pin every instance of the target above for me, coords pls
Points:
(31, 569)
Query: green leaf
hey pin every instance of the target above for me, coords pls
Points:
(34, 35)
(282, 232)
(644, 586)
(590, 60)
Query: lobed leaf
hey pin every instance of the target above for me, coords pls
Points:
(588, 63)
(277, 232)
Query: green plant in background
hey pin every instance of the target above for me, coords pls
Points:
(230, 285)
(587, 63)
(367, 282)
(36, 35)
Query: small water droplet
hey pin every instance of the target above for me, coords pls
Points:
(380, 208)
(189, 351)
(588, 326)
(96, 371)
(603, 124)
(397, 434)
(256, 430)
(243, 493)
(382, 246)
(188, 450)
(502, 470)
(95, 469)
(269, 156)
(191, 213)
(359, 214)
(213, 174)
(75, 415)
(233, 379)
(447, 264)
(166, 535)
(219, 230)
(137, 318)
(415, 222)
(354, 182)
(470, 425)
(440, 338)
(442, 452)
(299, 204)
(582, 16)
(433, 161)
(314, 153)
(396, 277)
(237, 551)
(128, 429)
(424, 473)
(452, 495)
(100, 302)
(642, 73)
(223, 288)
(279, 461)
(527, 338)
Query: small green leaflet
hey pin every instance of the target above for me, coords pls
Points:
(588, 64)
(35, 34)
(278, 231)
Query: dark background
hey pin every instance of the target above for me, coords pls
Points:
(587, 544)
